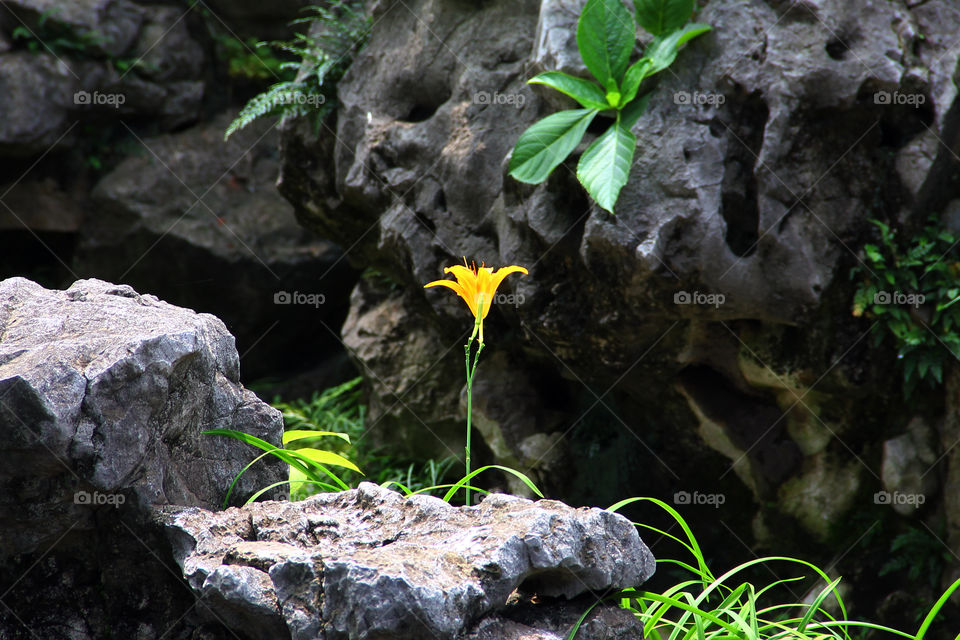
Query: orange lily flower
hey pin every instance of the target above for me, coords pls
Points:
(476, 286)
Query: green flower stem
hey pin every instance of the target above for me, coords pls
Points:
(470, 373)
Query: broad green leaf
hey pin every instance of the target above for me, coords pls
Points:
(327, 457)
(605, 165)
(634, 76)
(663, 50)
(583, 91)
(660, 17)
(294, 435)
(632, 112)
(548, 143)
(605, 37)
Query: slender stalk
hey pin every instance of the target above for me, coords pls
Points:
(470, 373)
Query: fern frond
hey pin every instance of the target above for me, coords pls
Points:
(325, 51)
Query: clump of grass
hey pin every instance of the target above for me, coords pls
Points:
(335, 417)
(330, 414)
(709, 607)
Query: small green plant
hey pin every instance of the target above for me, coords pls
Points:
(726, 607)
(306, 422)
(337, 412)
(323, 54)
(910, 288)
(55, 37)
(919, 554)
(248, 59)
(606, 33)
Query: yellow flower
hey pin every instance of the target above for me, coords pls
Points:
(476, 286)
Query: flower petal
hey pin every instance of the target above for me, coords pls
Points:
(446, 283)
(467, 278)
(500, 274)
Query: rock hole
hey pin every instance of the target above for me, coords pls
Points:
(837, 49)
(424, 220)
(419, 113)
(747, 118)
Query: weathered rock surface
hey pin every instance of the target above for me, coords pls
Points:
(85, 79)
(368, 563)
(198, 221)
(762, 156)
(104, 394)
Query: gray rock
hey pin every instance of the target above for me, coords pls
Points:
(165, 82)
(368, 563)
(35, 112)
(104, 394)
(526, 621)
(112, 24)
(908, 469)
(164, 48)
(255, 18)
(763, 153)
(40, 205)
(214, 206)
(413, 370)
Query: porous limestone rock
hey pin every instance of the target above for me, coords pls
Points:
(104, 395)
(369, 563)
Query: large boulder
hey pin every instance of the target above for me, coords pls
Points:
(89, 62)
(104, 395)
(704, 331)
(369, 563)
(198, 221)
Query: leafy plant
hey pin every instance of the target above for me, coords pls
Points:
(336, 411)
(311, 463)
(323, 54)
(909, 287)
(248, 58)
(306, 422)
(919, 554)
(605, 37)
(711, 607)
(56, 37)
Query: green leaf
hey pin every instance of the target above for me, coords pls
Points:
(634, 76)
(632, 112)
(548, 143)
(605, 37)
(326, 458)
(462, 482)
(663, 50)
(605, 165)
(583, 91)
(293, 435)
(663, 16)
